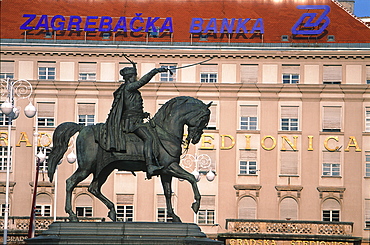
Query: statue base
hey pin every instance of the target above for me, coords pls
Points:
(122, 233)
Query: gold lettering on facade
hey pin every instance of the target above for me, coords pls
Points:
(326, 143)
(4, 138)
(223, 147)
(310, 145)
(352, 143)
(292, 145)
(209, 143)
(273, 143)
(23, 138)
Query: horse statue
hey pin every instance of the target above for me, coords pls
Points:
(168, 125)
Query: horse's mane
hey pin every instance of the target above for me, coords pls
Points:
(168, 107)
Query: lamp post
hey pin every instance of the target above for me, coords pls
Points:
(13, 89)
(199, 165)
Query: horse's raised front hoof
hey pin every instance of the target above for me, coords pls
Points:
(195, 206)
(73, 218)
(112, 215)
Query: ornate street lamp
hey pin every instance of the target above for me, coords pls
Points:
(13, 89)
(199, 165)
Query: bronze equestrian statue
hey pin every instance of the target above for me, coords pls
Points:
(126, 143)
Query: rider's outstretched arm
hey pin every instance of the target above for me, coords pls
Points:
(146, 78)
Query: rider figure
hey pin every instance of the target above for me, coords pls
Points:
(126, 115)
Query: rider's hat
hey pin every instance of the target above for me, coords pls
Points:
(128, 70)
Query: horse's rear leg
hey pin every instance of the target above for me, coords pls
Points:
(95, 189)
(78, 176)
(175, 170)
(167, 189)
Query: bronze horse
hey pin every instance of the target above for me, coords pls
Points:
(168, 124)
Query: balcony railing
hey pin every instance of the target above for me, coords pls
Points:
(275, 227)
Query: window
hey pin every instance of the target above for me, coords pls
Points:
(368, 74)
(2, 204)
(212, 124)
(45, 115)
(331, 210)
(6, 69)
(331, 164)
(84, 206)
(43, 205)
(332, 119)
(125, 207)
(46, 70)
(289, 163)
(290, 74)
(367, 164)
(125, 213)
(44, 166)
(43, 210)
(332, 74)
(86, 114)
(367, 119)
(208, 73)
(4, 158)
(248, 117)
(288, 209)
(247, 208)
(206, 214)
(367, 213)
(87, 71)
(289, 118)
(166, 76)
(249, 73)
(248, 162)
(162, 214)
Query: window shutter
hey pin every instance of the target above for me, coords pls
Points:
(125, 199)
(332, 117)
(289, 209)
(331, 157)
(332, 73)
(83, 201)
(207, 202)
(208, 68)
(249, 73)
(331, 204)
(87, 67)
(7, 66)
(289, 112)
(46, 64)
(248, 111)
(247, 208)
(45, 109)
(86, 109)
(290, 69)
(367, 210)
(248, 155)
(289, 162)
(43, 199)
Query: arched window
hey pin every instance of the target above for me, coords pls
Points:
(289, 209)
(84, 206)
(330, 210)
(247, 208)
(43, 205)
(2, 203)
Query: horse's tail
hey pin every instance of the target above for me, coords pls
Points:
(61, 137)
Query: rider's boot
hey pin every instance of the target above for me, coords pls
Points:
(151, 169)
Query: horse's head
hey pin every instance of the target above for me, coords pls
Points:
(197, 123)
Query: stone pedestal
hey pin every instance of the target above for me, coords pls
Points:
(122, 233)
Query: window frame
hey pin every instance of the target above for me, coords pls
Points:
(4, 158)
(166, 76)
(208, 77)
(123, 212)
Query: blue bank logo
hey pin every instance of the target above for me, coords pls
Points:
(309, 23)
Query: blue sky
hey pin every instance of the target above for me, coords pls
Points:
(362, 8)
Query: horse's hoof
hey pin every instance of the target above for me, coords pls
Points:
(195, 206)
(112, 216)
(73, 218)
